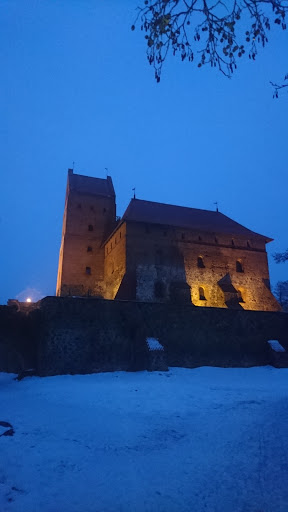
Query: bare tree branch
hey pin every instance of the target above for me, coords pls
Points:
(208, 32)
(281, 257)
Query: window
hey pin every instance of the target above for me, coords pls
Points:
(120, 234)
(88, 271)
(159, 289)
(201, 293)
(199, 238)
(92, 208)
(183, 236)
(232, 242)
(248, 245)
(79, 206)
(239, 266)
(111, 245)
(216, 240)
(104, 210)
(165, 233)
(240, 297)
(90, 227)
(200, 262)
(89, 248)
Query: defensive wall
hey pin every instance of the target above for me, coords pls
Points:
(82, 335)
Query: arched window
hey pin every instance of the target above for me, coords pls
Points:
(201, 293)
(232, 242)
(90, 227)
(248, 245)
(159, 289)
(200, 262)
(88, 271)
(239, 266)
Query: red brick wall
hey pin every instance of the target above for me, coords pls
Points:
(169, 255)
(82, 211)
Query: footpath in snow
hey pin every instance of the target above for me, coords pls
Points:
(187, 440)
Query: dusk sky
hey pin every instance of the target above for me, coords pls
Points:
(76, 86)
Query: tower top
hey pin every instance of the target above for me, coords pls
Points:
(89, 185)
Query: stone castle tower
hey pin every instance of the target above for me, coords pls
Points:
(158, 252)
(89, 217)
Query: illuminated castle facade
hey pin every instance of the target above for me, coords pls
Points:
(158, 252)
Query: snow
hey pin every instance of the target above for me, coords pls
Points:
(153, 344)
(275, 345)
(187, 440)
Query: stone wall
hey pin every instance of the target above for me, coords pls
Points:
(85, 335)
(91, 335)
(19, 335)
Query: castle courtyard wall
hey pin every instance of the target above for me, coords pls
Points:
(90, 335)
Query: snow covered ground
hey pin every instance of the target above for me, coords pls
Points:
(205, 439)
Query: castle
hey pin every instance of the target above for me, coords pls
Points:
(158, 252)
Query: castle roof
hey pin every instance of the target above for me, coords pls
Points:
(88, 185)
(150, 212)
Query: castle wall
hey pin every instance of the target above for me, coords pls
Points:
(115, 262)
(84, 335)
(91, 335)
(165, 258)
(19, 332)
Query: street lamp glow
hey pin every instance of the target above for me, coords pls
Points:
(28, 299)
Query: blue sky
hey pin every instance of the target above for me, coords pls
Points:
(76, 86)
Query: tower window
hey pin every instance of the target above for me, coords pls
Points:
(200, 262)
(89, 248)
(201, 293)
(88, 271)
(90, 227)
(232, 242)
(239, 266)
